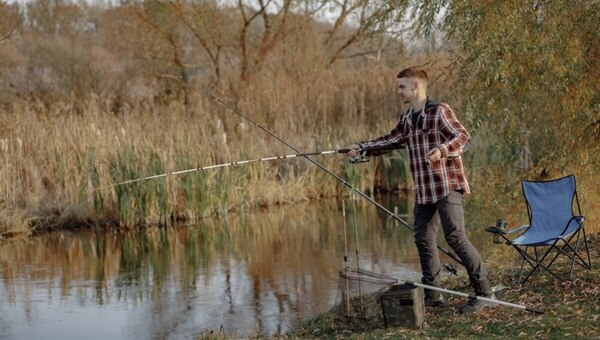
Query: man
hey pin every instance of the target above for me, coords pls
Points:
(435, 139)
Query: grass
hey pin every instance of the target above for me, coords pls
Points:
(572, 310)
(51, 158)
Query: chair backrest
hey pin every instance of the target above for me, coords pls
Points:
(550, 203)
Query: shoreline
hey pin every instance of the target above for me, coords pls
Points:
(572, 309)
(57, 222)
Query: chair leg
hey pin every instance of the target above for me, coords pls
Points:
(574, 256)
(587, 249)
(522, 263)
(560, 251)
(533, 263)
(567, 249)
(539, 264)
(580, 261)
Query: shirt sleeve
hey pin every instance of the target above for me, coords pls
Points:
(393, 140)
(454, 134)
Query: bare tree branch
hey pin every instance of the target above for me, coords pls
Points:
(270, 39)
(374, 18)
(13, 27)
(213, 55)
(367, 54)
(175, 51)
(244, 34)
(339, 21)
(363, 27)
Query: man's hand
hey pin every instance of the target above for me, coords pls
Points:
(434, 155)
(353, 150)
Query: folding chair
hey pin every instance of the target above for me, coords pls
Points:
(552, 227)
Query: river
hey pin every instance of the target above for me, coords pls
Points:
(259, 273)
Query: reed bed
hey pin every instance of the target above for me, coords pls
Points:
(53, 159)
(54, 155)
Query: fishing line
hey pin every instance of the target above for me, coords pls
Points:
(346, 257)
(345, 183)
(357, 251)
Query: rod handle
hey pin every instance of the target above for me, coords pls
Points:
(377, 148)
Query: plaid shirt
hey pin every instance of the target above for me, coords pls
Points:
(437, 126)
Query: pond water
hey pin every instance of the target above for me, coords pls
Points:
(238, 275)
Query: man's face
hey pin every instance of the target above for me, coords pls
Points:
(407, 89)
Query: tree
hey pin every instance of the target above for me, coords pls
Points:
(244, 33)
(528, 71)
(10, 20)
(358, 21)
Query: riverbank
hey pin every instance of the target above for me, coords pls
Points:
(572, 310)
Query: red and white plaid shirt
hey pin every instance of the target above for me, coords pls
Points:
(437, 126)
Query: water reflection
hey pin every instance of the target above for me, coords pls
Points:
(253, 274)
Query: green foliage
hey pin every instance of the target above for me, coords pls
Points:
(137, 203)
(528, 72)
(90, 178)
(193, 186)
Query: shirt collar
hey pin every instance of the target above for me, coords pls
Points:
(428, 103)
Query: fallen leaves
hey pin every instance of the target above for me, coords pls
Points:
(572, 309)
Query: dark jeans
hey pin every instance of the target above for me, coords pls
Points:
(449, 212)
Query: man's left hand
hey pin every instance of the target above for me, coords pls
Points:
(434, 155)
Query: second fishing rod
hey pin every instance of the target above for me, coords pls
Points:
(449, 267)
(360, 158)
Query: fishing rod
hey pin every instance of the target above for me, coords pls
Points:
(344, 182)
(476, 297)
(358, 159)
(358, 275)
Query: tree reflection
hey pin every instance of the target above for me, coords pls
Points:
(251, 273)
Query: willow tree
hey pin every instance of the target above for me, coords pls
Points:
(528, 74)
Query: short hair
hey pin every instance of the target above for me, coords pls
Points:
(414, 72)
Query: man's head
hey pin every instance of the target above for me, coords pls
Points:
(412, 84)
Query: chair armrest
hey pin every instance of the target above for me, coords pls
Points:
(517, 229)
(496, 230)
(578, 219)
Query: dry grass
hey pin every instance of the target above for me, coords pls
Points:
(53, 157)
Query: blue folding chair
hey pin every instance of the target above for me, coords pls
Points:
(552, 227)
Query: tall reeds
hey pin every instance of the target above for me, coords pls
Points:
(53, 159)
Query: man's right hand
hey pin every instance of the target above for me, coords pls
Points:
(353, 150)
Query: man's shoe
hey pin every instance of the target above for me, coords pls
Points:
(439, 302)
(474, 305)
(434, 298)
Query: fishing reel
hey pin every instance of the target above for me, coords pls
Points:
(360, 158)
(450, 269)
